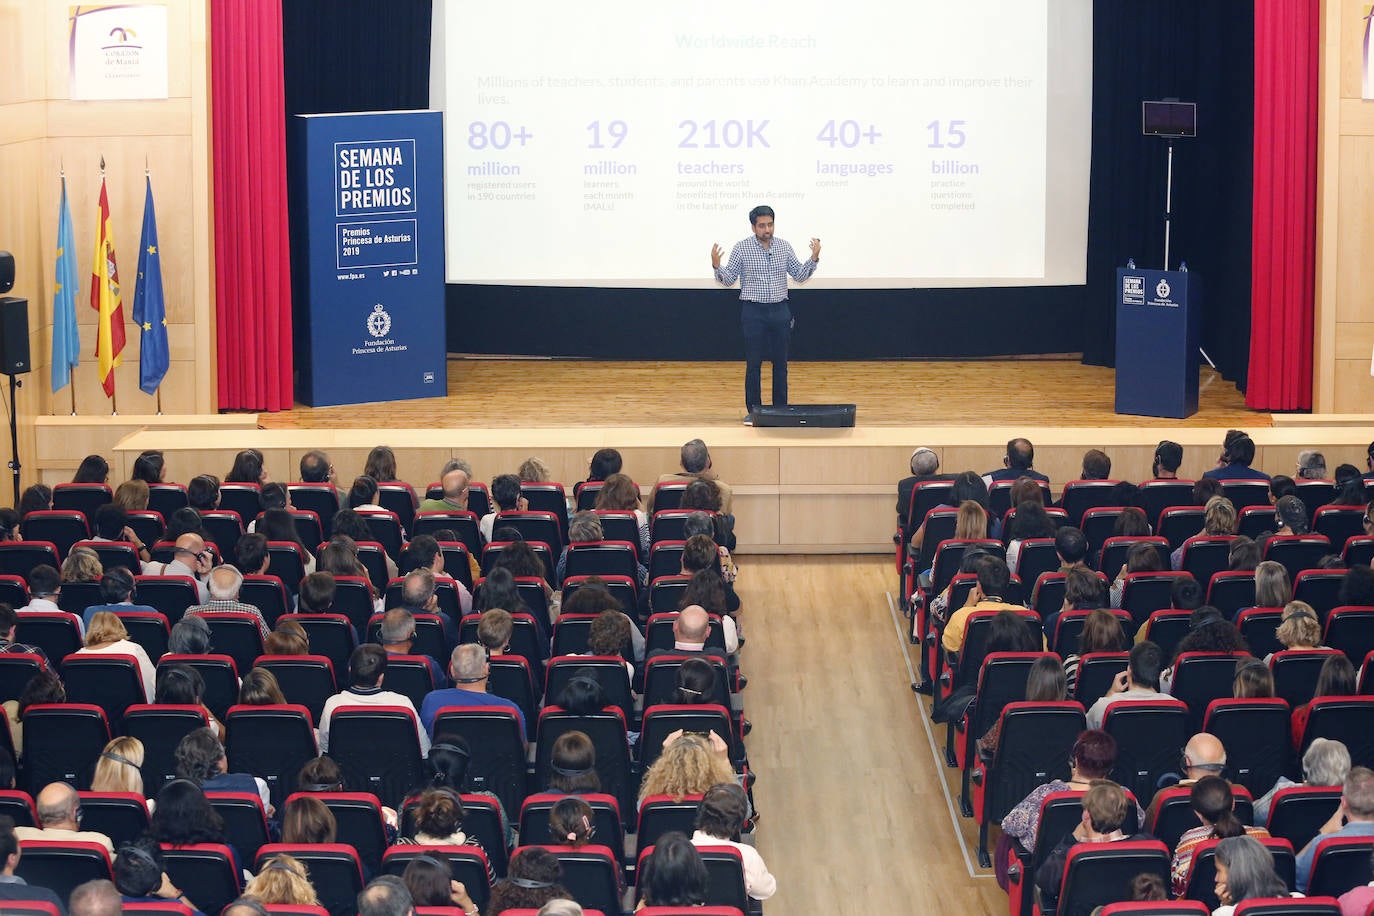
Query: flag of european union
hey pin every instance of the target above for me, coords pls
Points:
(66, 344)
(150, 310)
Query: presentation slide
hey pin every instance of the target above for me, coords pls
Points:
(611, 144)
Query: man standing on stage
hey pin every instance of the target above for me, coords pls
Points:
(762, 265)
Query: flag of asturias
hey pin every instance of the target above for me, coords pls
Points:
(150, 310)
(109, 335)
(66, 344)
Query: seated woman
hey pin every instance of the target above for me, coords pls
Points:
(620, 494)
(1253, 680)
(689, 765)
(1139, 558)
(572, 765)
(1101, 632)
(1208, 631)
(609, 635)
(1245, 871)
(1092, 757)
(1299, 629)
(200, 759)
(82, 565)
(675, 876)
(182, 685)
(532, 880)
(1044, 684)
(1031, 521)
(1218, 519)
(183, 817)
(1336, 679)
(722, 815)
(585, 527)
(283, 881)
(701, 555)
(119, 768)
(307, 820)
(1214, 803)
(438, 822)
(570, 824)
(107, 635)
(431, 883)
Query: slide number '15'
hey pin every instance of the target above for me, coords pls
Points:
(953, 135)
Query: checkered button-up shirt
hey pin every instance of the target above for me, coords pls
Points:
(763, 272)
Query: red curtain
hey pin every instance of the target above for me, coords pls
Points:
(1283, 249)
(252, 245)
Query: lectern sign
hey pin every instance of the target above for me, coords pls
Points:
(1156, 343)
(373, 204)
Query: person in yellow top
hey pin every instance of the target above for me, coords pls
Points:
(994, 578)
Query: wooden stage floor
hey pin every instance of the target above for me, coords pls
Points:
(525, 393)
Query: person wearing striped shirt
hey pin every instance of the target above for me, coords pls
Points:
(762, 264)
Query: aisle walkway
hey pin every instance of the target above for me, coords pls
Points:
(855, 817)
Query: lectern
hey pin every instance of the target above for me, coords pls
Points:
(1157, 313)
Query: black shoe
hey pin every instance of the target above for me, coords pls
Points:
(748, 420)
(924, 687)
(745, 727)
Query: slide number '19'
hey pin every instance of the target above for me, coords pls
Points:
(615, 131)
(953, 135)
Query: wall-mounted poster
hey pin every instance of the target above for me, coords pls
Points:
(118, 51)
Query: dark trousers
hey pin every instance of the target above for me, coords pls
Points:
(767, 329)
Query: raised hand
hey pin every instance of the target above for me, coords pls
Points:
(716, 253)
(815, 249)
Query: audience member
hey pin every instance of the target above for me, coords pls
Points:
(1102, 632)
(1140, 557)
(431, 883)
(119, 768)
(1218, 520)
(58, 818)
(200, 759)
(43, 687)
(182, 685)
(117, 590)
(720, 819)
(572, 766)
(1245, 871)
(398, 638)
(1354, 817)
(9, 625)
(1237, 451)
(454, 480)
(696, 465)
(13, 887)
(1105, 806)
(1272, 588)
(604, 462)
(469, 670)
(93, 469)
(1018, 462)
(1140, 681)
(150, 467)
(224, 583)
(1168, 458)
(98, 897)
(1214, 804)
(108, 636)
(1326, 763)
(1336, 679)
(81, 565)
(36, 498)
(688, 765)
(45, 585)
(1311, 465)
(140, 875)
(190, 558)
(1096, 465)
(1044, 684)
(506, 496)
(1253, 680)
(384, 896)
(532, 880)
(366, 671)
(249, 467)
(283, 881)
(986, 595)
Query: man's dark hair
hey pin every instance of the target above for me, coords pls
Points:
(1020, 454)
(1242, 450)
(202, 491)
(1070, 543)
(116, 585)
(1169, 454)
(1186, 593)
(9, 843)
(420, 552)
(318, 591)
(385, 895)
(1085, 590)
(9, 617)
(760, 210)
(198, 755)
(993, 576)
(314, 467)
(44, 580)
(1146, 662)
(110, 521)
(366, 665)
(138, 867)
(249, 552)
(1096, 465)
(274, 496)
(604, 463)
(505, 490)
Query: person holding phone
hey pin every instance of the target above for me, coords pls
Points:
(762, 264)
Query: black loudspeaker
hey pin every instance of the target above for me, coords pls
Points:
(824, 415)
(6, 271)
(14, 336)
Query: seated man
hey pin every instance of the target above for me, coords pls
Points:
(1140, 681)
(925, 465)
(506, 493)
(1096, 465)
(454, 479)
(398, 636)
(696, 465)
(986, 595)
(1237, 451)
(57, 805)
(224, 585)
(201, 759)
(1072, 548)
(366, 670)
(1354, 817)
(469, 669)
(1104, 811)
(13, 887)
(117, 590)
(189, 558)
(1204, 755)
(1016, 463)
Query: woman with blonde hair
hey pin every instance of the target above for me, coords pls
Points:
(1218, 520)
(1299, 629)
(283, 881)
(534, 470)
(971, 521)
(119, 768)
(107, 634)
(82, 565)
(689, 765)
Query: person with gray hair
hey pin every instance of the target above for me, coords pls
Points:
(1311, 465)
(224, 583)
(1326, 764)
(925, 465)
(387, 896)
(560, 907)
(190, 636)
(244, 906)
(696, 465)
(1354, 817)
(454, 479)
(469, 669)
(1245, 871)
(95, 898)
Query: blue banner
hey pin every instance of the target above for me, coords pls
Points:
(373, 325)
(150, 309)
